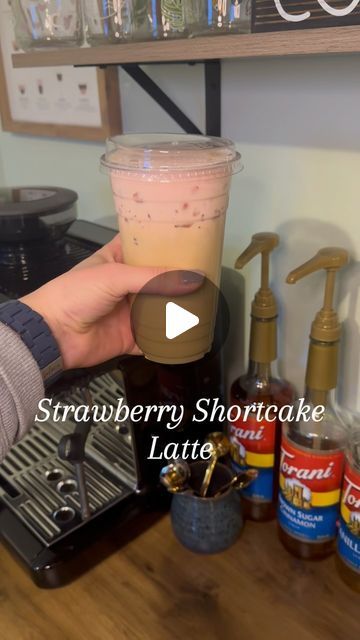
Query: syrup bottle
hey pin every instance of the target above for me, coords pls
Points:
(255, 441)
(348, 541)
(312, 452)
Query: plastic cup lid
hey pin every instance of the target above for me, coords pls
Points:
(159, 154)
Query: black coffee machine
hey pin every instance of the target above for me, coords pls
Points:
(70, 497)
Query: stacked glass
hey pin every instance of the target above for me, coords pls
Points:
(56, 23)
(47, 23)
(216, 17)
(124, 20)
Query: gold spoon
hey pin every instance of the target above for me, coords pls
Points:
(175, 475)
(220, 446)
(240, 481)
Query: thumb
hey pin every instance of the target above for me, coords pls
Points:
(121, 279)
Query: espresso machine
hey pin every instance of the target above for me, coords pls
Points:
(72, 493)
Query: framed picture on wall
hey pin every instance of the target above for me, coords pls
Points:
(80, 103)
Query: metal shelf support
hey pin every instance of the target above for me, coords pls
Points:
(212, 97)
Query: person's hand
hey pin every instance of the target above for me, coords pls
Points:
(88, 310)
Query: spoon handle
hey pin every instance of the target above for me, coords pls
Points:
(226, 486)
(207, 477)
(240, 481)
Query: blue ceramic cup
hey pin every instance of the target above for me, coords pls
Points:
(211, 524)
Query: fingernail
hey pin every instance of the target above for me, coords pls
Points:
(191, 277)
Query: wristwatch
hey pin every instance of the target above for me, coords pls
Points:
(35, 333)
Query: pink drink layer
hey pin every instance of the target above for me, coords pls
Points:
(178, 224)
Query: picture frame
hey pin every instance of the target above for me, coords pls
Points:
(62, 102)
(109, 99)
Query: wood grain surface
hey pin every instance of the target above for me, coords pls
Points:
(301, 42)
(153, 589)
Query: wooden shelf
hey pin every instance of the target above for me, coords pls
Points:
(285, 43)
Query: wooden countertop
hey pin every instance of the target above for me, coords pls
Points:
(153, 589)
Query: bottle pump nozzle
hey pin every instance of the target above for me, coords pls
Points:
(326, 326)
(264, 304)
(263, 337)
(322, 365)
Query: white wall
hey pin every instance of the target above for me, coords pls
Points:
(296, 123)
(28, 160)
(297, 126)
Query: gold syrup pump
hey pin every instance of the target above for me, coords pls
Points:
(322, 363)
(256, 444)
(313, 450)
(263, 333)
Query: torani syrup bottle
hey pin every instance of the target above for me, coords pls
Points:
(348, 542)
(256, 443)
(312, 452)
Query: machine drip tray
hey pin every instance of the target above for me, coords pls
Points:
(55, 565)
(40, 510)
(41, 489)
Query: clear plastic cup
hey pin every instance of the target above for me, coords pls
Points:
(171, 195)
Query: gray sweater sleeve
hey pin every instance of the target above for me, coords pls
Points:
(21, 388)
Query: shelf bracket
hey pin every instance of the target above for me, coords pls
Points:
(212, 97)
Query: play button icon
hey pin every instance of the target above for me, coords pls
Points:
(178, 320)
(175, 317)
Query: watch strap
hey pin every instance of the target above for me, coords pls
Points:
(36, 335)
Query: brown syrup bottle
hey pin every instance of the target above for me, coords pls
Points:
(255, 441)
(312, 452)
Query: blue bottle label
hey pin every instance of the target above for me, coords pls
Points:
(349, 532)
(253, 446)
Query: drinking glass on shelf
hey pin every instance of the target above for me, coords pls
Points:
(159, 19)
(173, 23)
(146, 19)
(47, 23)
(206, 17)
(107, 21)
